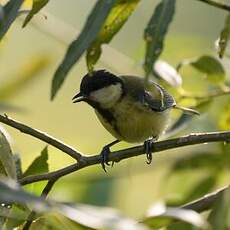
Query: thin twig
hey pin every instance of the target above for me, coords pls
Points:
(44, 194)
(205, 202)
(207, 96)
(117, 156)
(219, 5)
(41, 136)
(48, 187)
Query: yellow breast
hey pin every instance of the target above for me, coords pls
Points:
(134, 123)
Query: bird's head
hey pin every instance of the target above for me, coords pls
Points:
(100, 88)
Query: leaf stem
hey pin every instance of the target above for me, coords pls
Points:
(216, 4)
(208, 96)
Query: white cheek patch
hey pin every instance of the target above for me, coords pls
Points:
(107, 96)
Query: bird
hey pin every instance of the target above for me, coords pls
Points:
(127, 109)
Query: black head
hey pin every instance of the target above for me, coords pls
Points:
(94, 81)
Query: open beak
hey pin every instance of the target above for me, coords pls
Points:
(78, 98)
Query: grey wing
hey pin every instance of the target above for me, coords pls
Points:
(157, 98)
(161, 103)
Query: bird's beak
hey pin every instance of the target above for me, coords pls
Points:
(78, 98)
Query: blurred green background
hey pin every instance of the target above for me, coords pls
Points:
(130, 185)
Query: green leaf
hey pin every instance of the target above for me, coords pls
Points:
(208, 65)
(224, 37)
(36, 7)
(115, 20)
(92, 27)
(10, 13)
(1, 16)
(6, 157)
(224, 118)
(159, 216)
(156, 31)
(219, 217)
(18, 165)
(86, 215)
(4, 213)
(39, 165)
(168, 73)
(10, 192)
(16, 217)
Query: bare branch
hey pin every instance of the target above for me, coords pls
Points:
(41, 136)
(207, 96)
(207, 201)
(216, 4)
(117, 156)
(83, 161)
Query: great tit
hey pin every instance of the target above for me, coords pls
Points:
(126, 109)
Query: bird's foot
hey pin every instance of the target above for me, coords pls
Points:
(104, 157)
(105, 153)
(148, 150)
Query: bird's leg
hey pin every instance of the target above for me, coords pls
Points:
(148, 149)
(105, 152)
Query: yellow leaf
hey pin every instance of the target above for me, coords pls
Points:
(224, 120)
(27, 4)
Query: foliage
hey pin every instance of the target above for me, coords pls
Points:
(224, 37)
(6, 158)
(9, 12)
(211, 79)
(113, 23)
(36, 7)
(156, 31)
(92, 27)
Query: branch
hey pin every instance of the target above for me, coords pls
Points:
(209, 96)
(83, 161)
(207, 201)
(216, 4)
(41, 136)
(117, 156)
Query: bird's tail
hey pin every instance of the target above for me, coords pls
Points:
(187, 110)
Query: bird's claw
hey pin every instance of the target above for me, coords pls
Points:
(148, 150)
(104, 157)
